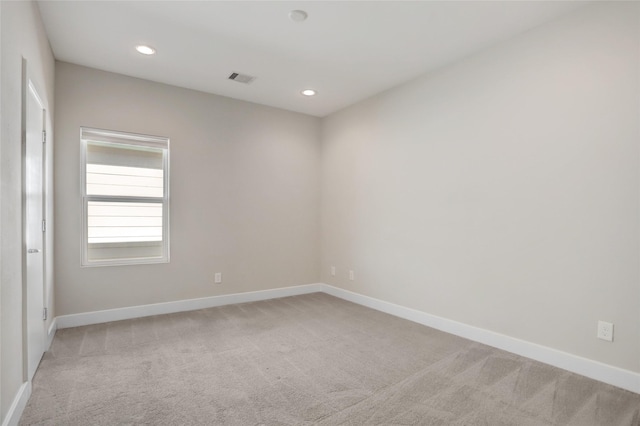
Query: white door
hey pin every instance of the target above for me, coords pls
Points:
(34, 228)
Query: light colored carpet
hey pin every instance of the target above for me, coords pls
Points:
(311, 359)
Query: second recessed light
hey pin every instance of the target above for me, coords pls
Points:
(145, 50)
(308, 92)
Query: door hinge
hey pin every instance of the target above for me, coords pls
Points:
(44, 136)
(44, 225)
(44, 314)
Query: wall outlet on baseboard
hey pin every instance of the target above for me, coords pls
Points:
(217, 279)
(352, 275)
(333, 271)
(605, 331)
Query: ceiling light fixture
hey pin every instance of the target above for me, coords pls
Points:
(298, 15)
(145, 50)
(308, 92)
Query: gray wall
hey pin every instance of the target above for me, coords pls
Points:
(501, 191)
(22, 36)
(244, 192)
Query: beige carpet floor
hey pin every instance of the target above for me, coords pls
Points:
(311, 359)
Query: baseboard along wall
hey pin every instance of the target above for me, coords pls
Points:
(609, 374)
(97, 317)
(18, 405)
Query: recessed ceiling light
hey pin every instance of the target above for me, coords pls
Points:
(308, 92)
(145, 50)
(298, 15)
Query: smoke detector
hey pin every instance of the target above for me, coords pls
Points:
(241, 78)
(298, 15)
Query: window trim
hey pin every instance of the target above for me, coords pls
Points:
(124, 138)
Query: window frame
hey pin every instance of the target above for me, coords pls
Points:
(88, 134)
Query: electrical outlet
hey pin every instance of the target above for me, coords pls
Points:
(352, 276)
(333, 271)
(218, 278)
(605, 331)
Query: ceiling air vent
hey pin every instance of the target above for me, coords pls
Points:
(241, 78)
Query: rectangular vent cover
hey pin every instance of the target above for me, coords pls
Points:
(241, 78)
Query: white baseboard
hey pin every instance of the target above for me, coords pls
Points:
(18, 405)
(615, 376)
(51, 333)
(97, 317)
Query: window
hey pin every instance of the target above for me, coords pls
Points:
(125, 198)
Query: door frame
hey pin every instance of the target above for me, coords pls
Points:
(28, 85)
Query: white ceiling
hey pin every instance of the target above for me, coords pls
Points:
(347, 51)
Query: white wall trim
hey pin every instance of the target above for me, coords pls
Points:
(51, 333)
(18, 405)
(97, 317)
(615, 376)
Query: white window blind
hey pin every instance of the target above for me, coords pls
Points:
(125, 198)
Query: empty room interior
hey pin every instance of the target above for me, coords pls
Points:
(301, 212)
